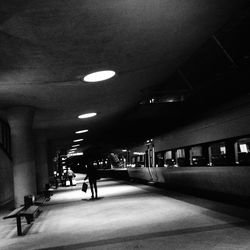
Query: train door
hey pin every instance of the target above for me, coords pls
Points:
(150, 161)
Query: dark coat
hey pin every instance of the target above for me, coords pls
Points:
(91, 173)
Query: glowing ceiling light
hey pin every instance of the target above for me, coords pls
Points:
(76, 145)
(77, 140)
(82, 131)
(88, 115)
(99, 76)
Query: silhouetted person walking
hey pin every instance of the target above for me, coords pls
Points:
(92, 176)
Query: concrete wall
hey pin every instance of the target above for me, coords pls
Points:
(6, 179)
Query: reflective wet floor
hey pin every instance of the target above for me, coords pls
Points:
(130, 216)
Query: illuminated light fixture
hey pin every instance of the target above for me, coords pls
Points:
(88, 115)
(139, 153)
(82, 131)
(77, 140)
(76, 145)
(99, 76)
(124, 150)
(75, 154)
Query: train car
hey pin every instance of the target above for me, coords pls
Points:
(211, 155)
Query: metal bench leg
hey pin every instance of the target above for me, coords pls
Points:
(19, 226)
(29, 218)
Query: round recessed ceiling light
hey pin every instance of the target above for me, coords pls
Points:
(77, 140)
(99, 76)
(81, 131)
(88, 115)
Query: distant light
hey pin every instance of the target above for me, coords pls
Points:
(76, 145)
(82, 131)
(124, 150)
(170, 100)
(77, 140)
(74, 154)
(88, 115)
(139, 153)
(99, 76)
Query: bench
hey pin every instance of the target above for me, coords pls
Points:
(39, 201)
(29, 214)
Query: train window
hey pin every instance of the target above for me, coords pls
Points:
(243, 151)
(169, 161)
(133, 160)
(142, 161)
(138, 161)
(159, 160)
(217, 154)
(180, 157)
(197, 156)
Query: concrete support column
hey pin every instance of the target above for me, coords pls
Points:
(24, 171)
(42, 176)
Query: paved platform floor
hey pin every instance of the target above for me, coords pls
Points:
(130, 216)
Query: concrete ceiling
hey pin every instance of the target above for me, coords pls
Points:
(47, 46)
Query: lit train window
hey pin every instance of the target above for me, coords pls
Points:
(169, 160)
(217, 154)
(243, 151)
(140, 161)
(180, 157)
(159, 160)
(197, 157)
(133, 159)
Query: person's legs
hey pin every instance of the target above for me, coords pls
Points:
(95, 186)
(70, 180)
(91, 188)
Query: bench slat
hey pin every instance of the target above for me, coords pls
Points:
(14, 213)
(40, 201)
(31, 210)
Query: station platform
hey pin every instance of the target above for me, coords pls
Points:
(130, 216)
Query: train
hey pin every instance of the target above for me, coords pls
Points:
(209, 156)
